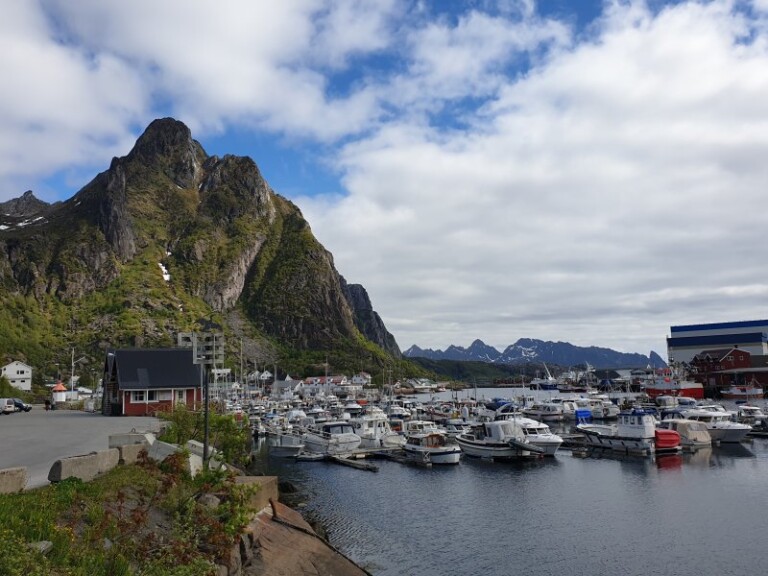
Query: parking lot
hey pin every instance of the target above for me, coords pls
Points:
(36, 439)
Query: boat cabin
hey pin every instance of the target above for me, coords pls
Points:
(638, 423)
(427, 440)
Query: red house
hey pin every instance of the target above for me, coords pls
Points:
(726, 367)
(143, 382)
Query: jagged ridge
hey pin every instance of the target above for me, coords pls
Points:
(531, 350)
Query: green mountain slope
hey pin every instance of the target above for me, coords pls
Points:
(169, 238)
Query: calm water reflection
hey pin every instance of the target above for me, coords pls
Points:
(696, 514)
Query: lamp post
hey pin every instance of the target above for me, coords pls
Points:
(72, 373)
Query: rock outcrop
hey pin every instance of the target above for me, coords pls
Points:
(367, 319)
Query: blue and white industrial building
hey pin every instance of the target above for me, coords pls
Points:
(687, 341)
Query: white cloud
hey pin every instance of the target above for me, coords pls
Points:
(612, 192)
(608, 190)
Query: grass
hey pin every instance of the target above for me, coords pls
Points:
(141, 519)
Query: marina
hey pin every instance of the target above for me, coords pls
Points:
(586, 511)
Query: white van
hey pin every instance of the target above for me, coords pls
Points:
(7, 406)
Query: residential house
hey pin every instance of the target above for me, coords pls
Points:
(725, 367)
(362, 379)
(285, 389)
(18, 374)
(139, 382)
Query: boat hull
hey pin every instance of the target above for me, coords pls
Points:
(663, 441)
(742, 393)
(285, 445)
(449, 455)
(497, 450)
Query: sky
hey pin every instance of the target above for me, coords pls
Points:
(584, 171)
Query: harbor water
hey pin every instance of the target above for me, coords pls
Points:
(691, 514)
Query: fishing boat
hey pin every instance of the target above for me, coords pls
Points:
(332, 438)
(433, 447)
(498, 440)
(669, 386)
(634, 433)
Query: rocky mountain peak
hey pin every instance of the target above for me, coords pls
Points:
(26, 205)
(167, 143)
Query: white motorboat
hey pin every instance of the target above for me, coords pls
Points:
(635, 433)
(285, 444)
(544, 411)
(600, 408)
(432, 447)
(337, 437)
(498, 440)
(455, 426)
(411, 426)
(538, 434)
(719, 425)
(375, 430)
(752, 415)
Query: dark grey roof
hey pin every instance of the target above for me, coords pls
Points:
(143, 369)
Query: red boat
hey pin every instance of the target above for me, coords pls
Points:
(671, 387)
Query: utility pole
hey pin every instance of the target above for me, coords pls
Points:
(204, 353)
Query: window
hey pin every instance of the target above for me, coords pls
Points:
(150, 395)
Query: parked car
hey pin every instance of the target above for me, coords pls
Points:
(7, 406)
(20, 405)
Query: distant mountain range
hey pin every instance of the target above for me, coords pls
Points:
(527, 350)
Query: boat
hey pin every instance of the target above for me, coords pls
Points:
(455, 426)
(693, 435)
(332, 438)
(634, 433)
(544, 411)
(752, 415)
(411, 426)
(599, 408)
(534, 432)
(719, 424)
(375, 430)
(742, 392)
(285, 444)
(498, 440)
(538, 434)
(668, 386)
(432, 447)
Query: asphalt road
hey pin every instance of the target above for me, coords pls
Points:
(36, 439)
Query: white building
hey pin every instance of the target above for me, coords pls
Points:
(18, 374)
(362, 379)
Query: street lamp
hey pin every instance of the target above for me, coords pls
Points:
(72, 373)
